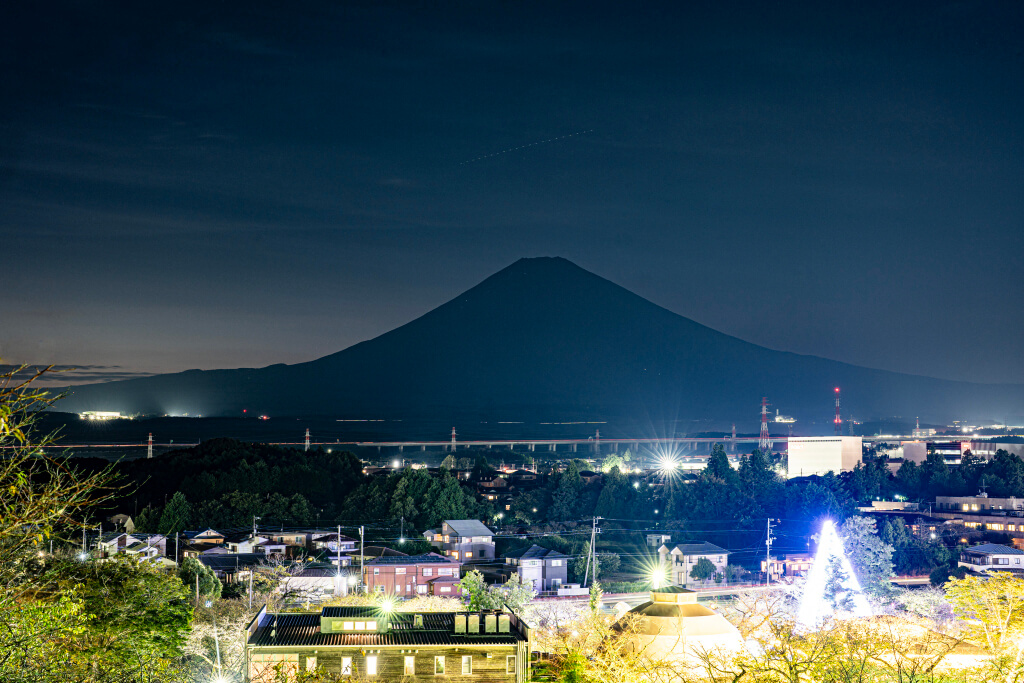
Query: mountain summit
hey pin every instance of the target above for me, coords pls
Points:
(544, 339)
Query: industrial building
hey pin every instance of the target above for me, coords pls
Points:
(818, 455)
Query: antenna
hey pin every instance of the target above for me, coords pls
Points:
(453, 439)
(307, 438)
(149, 447)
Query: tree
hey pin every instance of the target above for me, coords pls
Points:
(870, 557)
(209, 585)
(513, 594)
(595, 596)
(176, 516)
(993, 606)
(703, 570)
(566, 494)
(718, 466)
(44, 499)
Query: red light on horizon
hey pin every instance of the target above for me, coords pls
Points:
(837, 388)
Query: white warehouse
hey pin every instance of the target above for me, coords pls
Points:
(823, 454)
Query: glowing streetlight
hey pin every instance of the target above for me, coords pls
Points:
(387, 606)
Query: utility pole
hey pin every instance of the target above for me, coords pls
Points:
(362, 557)
(338, 549)
(177, 555)
(768, 555)
(593, 551)
(254, 518)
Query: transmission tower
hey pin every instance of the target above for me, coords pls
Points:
(763, 444)
(307, 438)
(839, 421)
(453, 439)
(149, 447)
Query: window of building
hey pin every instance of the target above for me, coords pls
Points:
(446, 589)
(346, 666)
(360, 625)
(467, 665)
(371, 665)
(439, 665)
(376, 571)
(263, 664)
(427, 571)
(371, 626)
(556, 563)
(348, 625)
(510, 664)
(310, 663)
(410, 666)
(421, 589)
(455, 554)
(417, 621)
(399, 570)
(469, 554)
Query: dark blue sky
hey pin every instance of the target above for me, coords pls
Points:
(238, 184)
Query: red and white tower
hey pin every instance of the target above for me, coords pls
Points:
(763, 444)
(149, 447)
(839, 420)
(307, 438)
(453, 439)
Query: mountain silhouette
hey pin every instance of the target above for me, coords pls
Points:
(546, 339)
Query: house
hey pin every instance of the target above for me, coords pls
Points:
(203, 536)
(232, 567)
(463, 539)
(330, 541)
(546, 570)
(366, 643)
(991, 557)
(245, 542)
(656, 540)
(796, 564)
(492, 481)
(116, 542)
(408, 576)
(589, 477)
(318, 582)
(681, 560)
(194, 550)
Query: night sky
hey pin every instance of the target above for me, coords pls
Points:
(236, 184)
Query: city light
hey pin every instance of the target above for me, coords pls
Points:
(814, 607)
(387, 606)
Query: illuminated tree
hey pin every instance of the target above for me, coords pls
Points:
(993, 606)
(703, 570)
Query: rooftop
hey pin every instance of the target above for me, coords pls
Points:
(468, 527)
(993, 549)
(535, 552)
(704, 548)
(438, 629)
(426, 558)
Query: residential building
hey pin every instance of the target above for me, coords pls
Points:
(656, 540)
(203, 536)
(463, 540)
(116, 542)
(232, 567)
(408, 576)
(681, 560)
(365, 643)
(991, 557)
(546, 570)
(979, 503)
(318, 582)
(796, 564)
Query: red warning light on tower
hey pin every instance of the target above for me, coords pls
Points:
(839, 421)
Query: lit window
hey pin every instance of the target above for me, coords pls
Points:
(376, 571)
(467, 664)
(469, 554)
(439, 665)
(427, 571)
(455, 554)
(348, 626)
(360, 625)
(556, 563)
(399, 570)
(446, 589)
(510, 664)
(371, 665)
(371, 626)
(410, 666)
(346, 666)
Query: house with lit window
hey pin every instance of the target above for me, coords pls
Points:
(406, 576)
(681, 560)
(463, 539)
(367, 643)
(545, 570)
(992, 557)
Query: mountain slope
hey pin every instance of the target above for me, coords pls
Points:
(545, 339)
